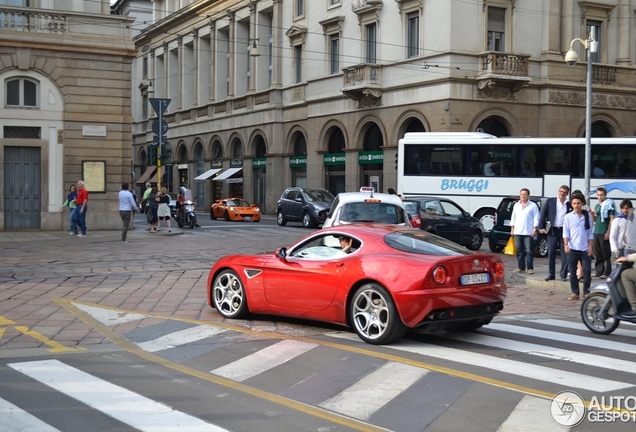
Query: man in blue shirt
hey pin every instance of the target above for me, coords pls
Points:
(127, 205)
(577, 240)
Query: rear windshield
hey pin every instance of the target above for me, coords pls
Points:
(372, 212)
(505, 207)
(411, 207)
(423, 243)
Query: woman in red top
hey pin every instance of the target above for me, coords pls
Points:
(82, 208)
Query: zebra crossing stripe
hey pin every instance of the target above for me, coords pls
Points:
(541, 373)
(375, 390)
(580, 326)
(180, 337)
(124, 405)
(524, 417)
(544, 351)
(563, 337)
(109, 316)
(12, 418)
(263, 360)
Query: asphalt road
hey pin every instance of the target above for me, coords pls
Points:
(86, 323)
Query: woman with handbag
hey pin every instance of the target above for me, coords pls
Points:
(163, 211)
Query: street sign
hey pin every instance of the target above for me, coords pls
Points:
(159, 105)
(164, 139)
(160, 128)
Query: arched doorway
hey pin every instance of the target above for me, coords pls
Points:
(182, 166)
(199, 168)
(335, 162)
(259, 166)
(299, 170)
(414, 125)
(371, 158)
(217, 162)
(493, 126)
(236, 181)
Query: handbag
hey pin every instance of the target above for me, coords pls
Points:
(510, 247)
(149, 214)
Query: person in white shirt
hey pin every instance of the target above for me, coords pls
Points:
(623, 231)
(577, 240)
(127, 206)
(524, 224)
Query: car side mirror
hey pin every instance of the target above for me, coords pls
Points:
(281, 253)
(252, 205)
(298, 199)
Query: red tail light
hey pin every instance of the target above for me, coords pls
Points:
(499, 270)
(439, 275)
(416, 221)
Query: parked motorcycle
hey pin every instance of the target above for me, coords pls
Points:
(185, 215)
(602, 311)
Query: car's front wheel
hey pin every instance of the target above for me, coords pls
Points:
(228, 295)
(212, 215)
(307, 222)
(374, 316)
(280, 218)
(476, 239)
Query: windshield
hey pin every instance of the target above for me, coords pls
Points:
(372, 212)
(187, 195)
(319, 195)
(238, 203)
(423, 243)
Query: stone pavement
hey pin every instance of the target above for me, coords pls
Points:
(165, 275)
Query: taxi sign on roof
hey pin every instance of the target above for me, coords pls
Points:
(367, 189)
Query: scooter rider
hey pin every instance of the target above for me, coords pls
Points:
(628, 276)
(179, 205)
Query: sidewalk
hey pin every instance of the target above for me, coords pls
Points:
(538, 279)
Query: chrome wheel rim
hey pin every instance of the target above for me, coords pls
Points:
(228, 294)
(306, 220)
(279, 217)
(476, 240)
(371, 313)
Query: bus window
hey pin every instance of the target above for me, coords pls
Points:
(558, 160)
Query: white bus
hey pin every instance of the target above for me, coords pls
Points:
(476, 170)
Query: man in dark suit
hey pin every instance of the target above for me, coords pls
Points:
(553, 212)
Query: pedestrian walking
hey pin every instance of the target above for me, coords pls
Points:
(151, 210)
(71, 203)
(578, 237)
(79, 215)
(623, 231)
(163, 210)
(603, 214)
(524, 224)
(551, 223)
(127, 206)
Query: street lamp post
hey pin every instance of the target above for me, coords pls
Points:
(591, 46)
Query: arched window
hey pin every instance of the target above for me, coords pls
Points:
(299, 173)
(21, 93)
(237, 152)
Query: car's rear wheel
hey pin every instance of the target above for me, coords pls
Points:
(476, 239)
(307, 222)
(212, 215)
(374, 316)
(228, 295)
(226, 215)
(541, 248)
(280, 218)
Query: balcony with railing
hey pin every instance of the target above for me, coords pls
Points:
(503, 70)
(362, 81)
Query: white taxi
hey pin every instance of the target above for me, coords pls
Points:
(366, 206)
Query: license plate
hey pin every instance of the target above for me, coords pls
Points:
(247, 218)
(507, 222)
(473, 279)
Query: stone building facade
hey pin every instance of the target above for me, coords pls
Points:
(65, 69)
(336, 84)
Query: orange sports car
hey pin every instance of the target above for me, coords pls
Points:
(236, 209)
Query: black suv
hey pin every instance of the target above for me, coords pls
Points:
(500, 232)
(309, 206)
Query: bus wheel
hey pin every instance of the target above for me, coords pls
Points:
(487, 218)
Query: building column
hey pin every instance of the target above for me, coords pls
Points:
(166, 69)
(552, 37)
(195, 67)
(250, 42)
(212, 62)
(232, 53)
(277, 22)
(567, 24)
(623, 33)
(180, 79)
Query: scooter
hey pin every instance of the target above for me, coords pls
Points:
(602, 311)
(186, 216)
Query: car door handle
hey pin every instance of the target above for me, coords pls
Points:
(339, 264)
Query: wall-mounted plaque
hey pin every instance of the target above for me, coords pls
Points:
(94, 176)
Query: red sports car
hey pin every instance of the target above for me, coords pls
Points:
(379, 279)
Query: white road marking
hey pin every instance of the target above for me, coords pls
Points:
(544, 351)
(13, 418)
(564, 337)
(181, 337)
(263, 360)
(126, 406)
(532, 414)
(580, 326)
(109, 317)
(375, 390)
(541, 373)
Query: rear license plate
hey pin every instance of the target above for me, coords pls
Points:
(507, 222)
(473, 279)
(247, 218)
